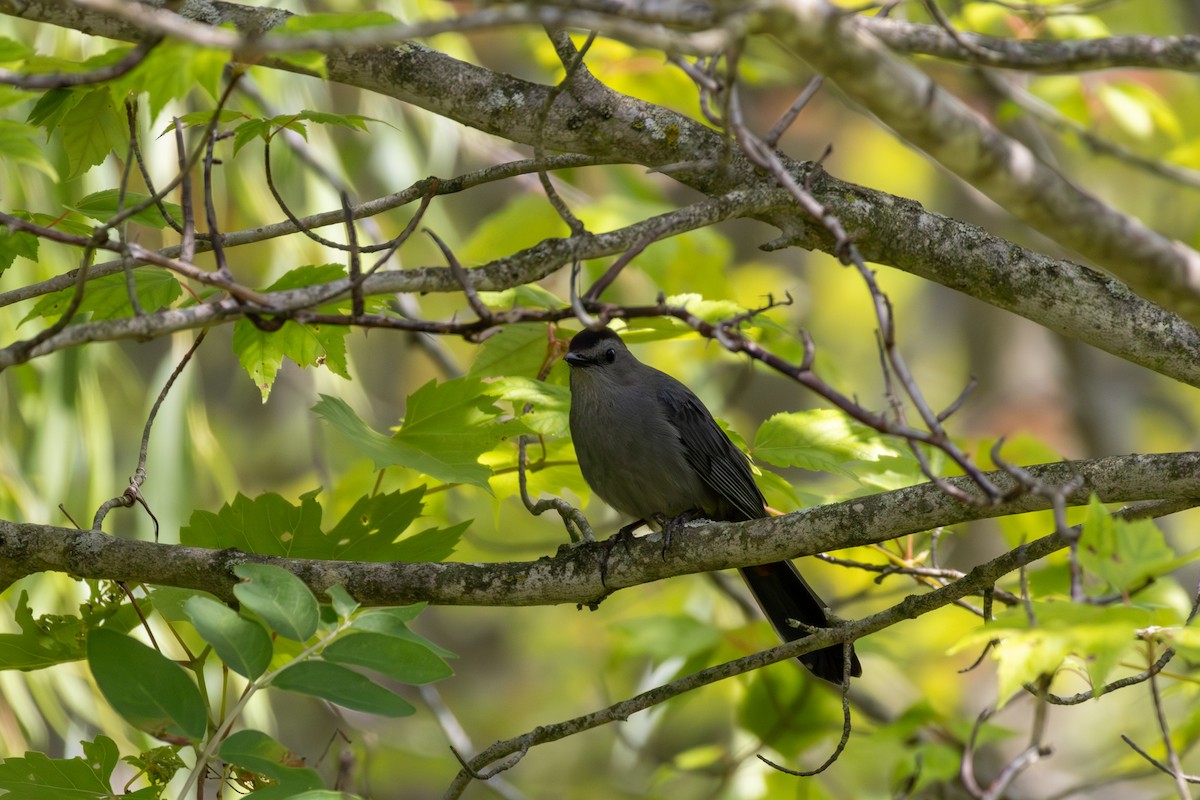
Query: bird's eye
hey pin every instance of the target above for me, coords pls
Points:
(610, 355)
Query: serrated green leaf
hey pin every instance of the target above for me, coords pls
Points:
(248, 131)
(451, 424)
(36, 776)
(262, 352)
(342, 686)
(52, 107)
(431, 544)
(102, 754)
(365, 440)
(163, 701)
(103, 206)
(201, 119)
(171, 71)
(1124, 553)
(108, 297)
(550, 404)
(57, 638)
(370, 530)
(291, 122)
(280, 598)
(16, 243)
(514, 350)
(373, 529)
(92, 129)
(401, 660)
(241, 644)
(41, 643)
(1098, 635)
(447, 428)
(820, 440)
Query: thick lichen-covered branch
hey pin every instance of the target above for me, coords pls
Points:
(573, 574)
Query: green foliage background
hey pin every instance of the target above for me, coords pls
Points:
(259, 422)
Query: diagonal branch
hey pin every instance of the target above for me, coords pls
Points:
(1074, 55)
(932, 119)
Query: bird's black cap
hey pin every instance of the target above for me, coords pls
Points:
(588, 338)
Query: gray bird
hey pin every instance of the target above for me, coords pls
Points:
(651, 450)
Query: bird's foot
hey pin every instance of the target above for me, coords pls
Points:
(671, 524)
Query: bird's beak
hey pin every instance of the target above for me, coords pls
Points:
(576, 360)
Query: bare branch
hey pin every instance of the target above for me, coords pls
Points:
(1078, 55)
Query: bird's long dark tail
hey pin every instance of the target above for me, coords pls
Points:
(783, 594)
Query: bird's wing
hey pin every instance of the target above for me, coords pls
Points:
(720, 464)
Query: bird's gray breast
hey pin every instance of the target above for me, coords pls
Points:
(630, 453)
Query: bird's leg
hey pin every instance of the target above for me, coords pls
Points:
(670, 524)
(624, 536)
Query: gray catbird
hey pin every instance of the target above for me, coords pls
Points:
(651, 450)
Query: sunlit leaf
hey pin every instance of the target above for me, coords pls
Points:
(821, 440)
(1097, 635)
(549, 404)
(1124, 553)
(11, 50)
(447, 427)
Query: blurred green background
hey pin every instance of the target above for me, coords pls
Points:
(71, 424)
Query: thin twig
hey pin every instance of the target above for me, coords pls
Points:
(133, 494)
